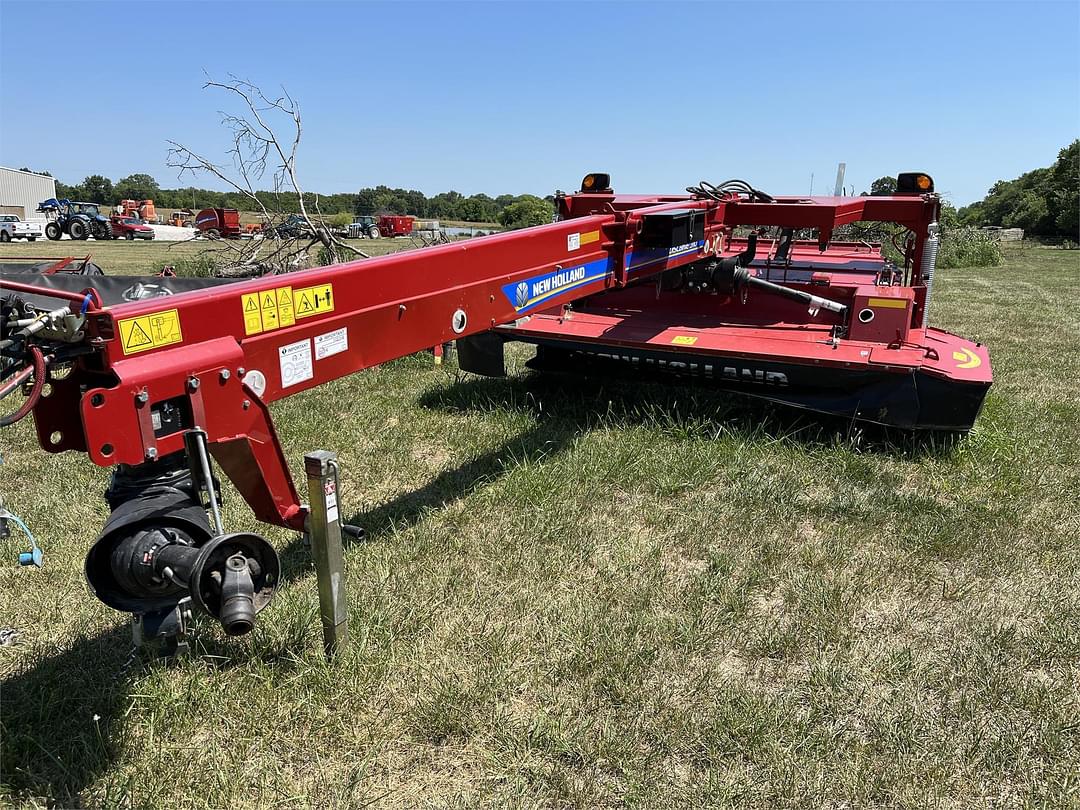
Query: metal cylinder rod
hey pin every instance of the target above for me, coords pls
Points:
(810, 299)
(196, 444)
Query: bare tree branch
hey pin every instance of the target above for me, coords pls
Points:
(287, 236)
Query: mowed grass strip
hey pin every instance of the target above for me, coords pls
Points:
(593, 593)
(123, 258)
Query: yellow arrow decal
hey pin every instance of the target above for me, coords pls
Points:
(965, 358)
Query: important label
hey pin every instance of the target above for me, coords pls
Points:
(313, 300)
(280, 307)
(150, 331)
(331, 343)
(294, 360)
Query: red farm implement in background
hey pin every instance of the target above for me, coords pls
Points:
(394, 225)
(723, 283)
(219, 222)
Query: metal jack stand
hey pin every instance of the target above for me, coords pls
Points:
(324, 530)
(162, 634)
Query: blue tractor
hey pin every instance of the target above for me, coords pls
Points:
(79, 220)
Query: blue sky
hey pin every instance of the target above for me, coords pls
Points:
(519, 97)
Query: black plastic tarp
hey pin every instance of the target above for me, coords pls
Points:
(111, 289)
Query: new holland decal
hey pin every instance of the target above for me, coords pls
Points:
(642, 258)
(532, 292)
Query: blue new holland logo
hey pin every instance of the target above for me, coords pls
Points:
(532, 292)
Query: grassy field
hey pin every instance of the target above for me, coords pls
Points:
(138, 257)
(581, 593)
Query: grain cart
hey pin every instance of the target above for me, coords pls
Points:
(216, 223)
(385, 225)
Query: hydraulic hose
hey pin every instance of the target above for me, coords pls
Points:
(719, 192)
(37, 366)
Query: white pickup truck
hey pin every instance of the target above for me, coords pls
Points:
(11, 227)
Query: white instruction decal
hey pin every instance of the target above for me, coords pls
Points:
(573, 241)
(295, 361)
(331, 343)
(331, 501)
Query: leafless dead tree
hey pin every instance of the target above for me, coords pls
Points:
(289, 230)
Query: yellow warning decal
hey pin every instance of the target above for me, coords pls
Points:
(313, 300)
(684, 340)
(891, 303)
(252, 317)
(966, 358)
(150, 331)
(590, 237)
(285, 306)
(267, 310)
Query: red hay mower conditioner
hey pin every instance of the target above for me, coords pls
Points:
(723, 283)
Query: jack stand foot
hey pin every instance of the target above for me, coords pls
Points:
(162, 634)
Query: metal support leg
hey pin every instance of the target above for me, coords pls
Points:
(324, 529)
(162, 633)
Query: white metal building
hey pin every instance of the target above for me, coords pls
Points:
(20, 192)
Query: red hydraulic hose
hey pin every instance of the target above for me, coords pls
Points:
(38, 365)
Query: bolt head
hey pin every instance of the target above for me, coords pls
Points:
(142, 397)
(193, 384)
(225, 374)
(151, 453)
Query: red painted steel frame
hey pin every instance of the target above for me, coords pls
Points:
(390, 307)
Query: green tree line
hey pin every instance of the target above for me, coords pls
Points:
(510, 210)
(507, 209)
(1044, 202)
